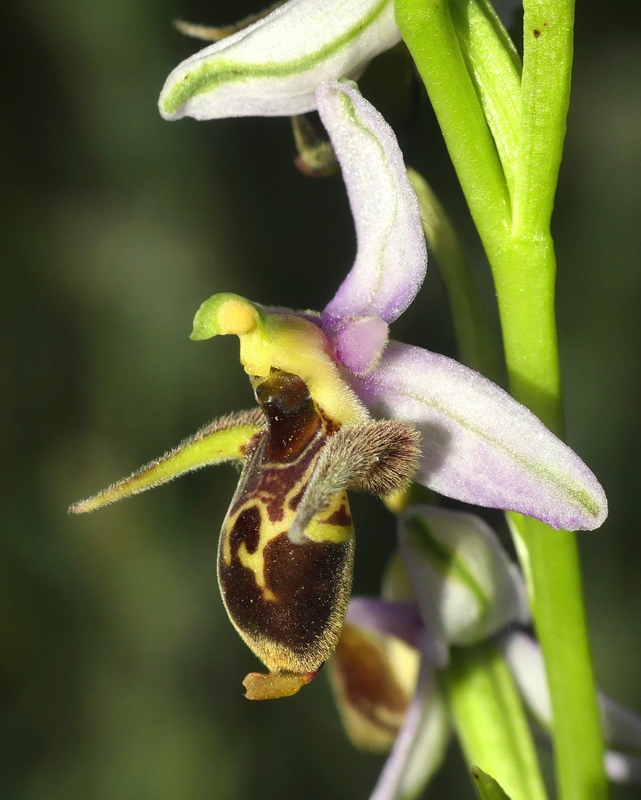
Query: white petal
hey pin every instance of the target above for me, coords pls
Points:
(621, 727)
(273, 67)
(391, 259)
(622, 768)
(525, 659)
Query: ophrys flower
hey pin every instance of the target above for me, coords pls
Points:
(344, 409)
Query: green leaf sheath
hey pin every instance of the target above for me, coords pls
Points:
(428, 31)
(512, 215)
(545, 97)
(495, 69)
(223, 440)
(490, 721)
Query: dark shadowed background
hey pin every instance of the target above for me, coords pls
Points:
(120, 676)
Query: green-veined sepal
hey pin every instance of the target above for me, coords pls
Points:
(273, 67)
(465, 585)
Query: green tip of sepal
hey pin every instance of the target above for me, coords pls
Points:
(225, 313)
(486, 787)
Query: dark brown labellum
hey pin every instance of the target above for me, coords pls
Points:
(286, 600)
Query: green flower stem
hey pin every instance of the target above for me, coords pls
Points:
(521, 254)
(490, 721)
(551, 562)
(526, 302)
(524, 278)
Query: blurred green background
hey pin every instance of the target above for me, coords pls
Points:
(120, 676)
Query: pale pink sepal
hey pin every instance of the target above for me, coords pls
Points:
(480, 445)
(391, 255)
(402, 620)
(360, 342)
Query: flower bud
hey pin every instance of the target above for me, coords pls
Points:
(466, 587)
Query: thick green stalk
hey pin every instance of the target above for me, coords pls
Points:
(490, 721)
(551, 562)
(532, 361)
(524, 279)
(523, 264)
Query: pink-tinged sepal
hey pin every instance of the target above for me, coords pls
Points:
(399, 619)
(420, 745)
(479, 445)
(360, 342)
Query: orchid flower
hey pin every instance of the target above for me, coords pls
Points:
(451, 584)
(342, 408)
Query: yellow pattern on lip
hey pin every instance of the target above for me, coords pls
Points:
(321, 529)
